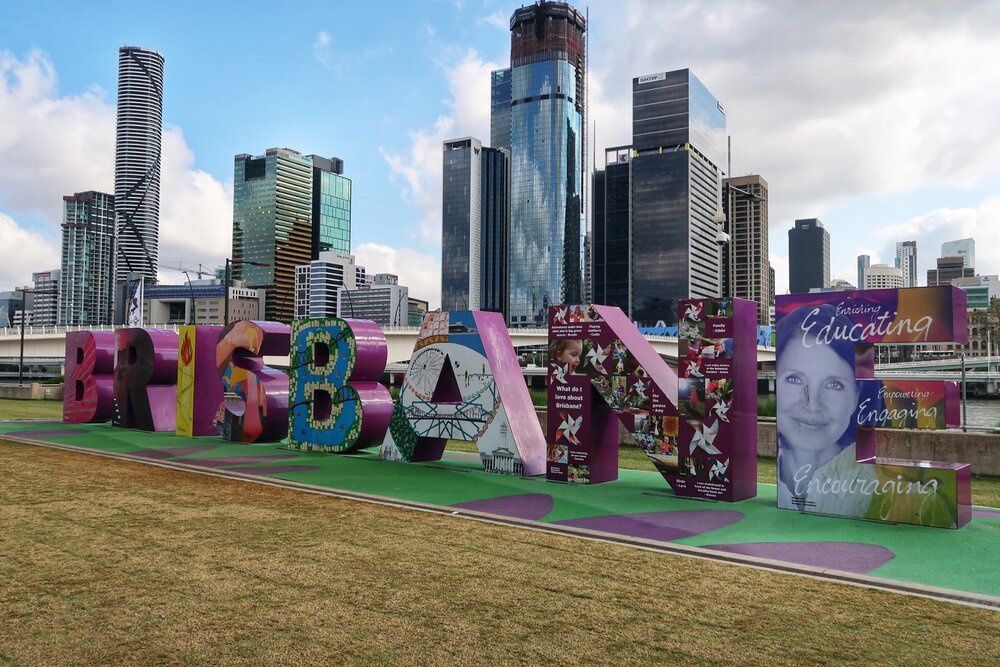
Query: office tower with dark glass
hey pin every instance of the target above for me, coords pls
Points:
(746, 270)
(137, 162)
(474, 226)
(610, 237)
(808, 256)
(679, 144)
(87, 279)
(547, 112)
(500, 108)
(331, 216)
(287, 208)
(864, 261)
(906, 261)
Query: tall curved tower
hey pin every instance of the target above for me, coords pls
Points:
(137, 161)
(547, 112)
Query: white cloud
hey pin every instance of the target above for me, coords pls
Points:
(22, 253)
(53, 145)
(826, 100)
(419, 167)
(499, 20)
(419, 272)
(321, 47)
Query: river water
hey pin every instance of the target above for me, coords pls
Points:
(982, 413)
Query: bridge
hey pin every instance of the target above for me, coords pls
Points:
(50, 342)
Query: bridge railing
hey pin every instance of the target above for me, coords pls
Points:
(50, 330)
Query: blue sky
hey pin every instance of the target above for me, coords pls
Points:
(879, 120)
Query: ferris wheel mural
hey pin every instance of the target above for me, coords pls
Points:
(451, 391)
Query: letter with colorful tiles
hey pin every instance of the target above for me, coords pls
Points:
(464, 382)
(199, 391)
(602, 371)
(829, 404)
(255, 403)
(88, 392)
(336, 402)
(145, 386)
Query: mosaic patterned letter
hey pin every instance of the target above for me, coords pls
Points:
(255, 407)
(829, 404)
(199, 391)
(145, 379)
(88, 394)
(602, 371)
(464, 383)
(337, 403)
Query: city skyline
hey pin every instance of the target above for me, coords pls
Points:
(847, 152)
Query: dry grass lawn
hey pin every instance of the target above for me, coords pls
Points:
(105, 561)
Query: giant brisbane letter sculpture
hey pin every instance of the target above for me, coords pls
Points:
(336, 402)
(88, 394)
(464, 383)
(829, 405)
(602, 371)
(145, 379)
(255, 408)
(199, 391)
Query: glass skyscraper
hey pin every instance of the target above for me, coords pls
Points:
(547, 119)
(331, 206)
(808, 256)
(287, 208)
(87, 274)
(610, 238)
(679, 144)
(474, 226)
(139, 134)
(906, 261)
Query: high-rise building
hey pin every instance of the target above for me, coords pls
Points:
(906, 261)
(610, 238)
(317, 283)
(500, 108)
(46, 306)
(679, 144)
(964, 248)
(287, 209)
(137, 162)
(948, 269)
(746, 270)
(883, 276)
(87, 278)
(272, 225)
(385, 302)
(808, 256)
(331, 202)
(864, 261)
(547, 111)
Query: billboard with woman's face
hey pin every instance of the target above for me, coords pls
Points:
(829, 403)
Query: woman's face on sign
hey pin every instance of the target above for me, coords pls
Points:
(817, 395)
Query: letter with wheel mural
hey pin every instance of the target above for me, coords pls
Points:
(829, 404)
(88, 392)
(337, 403)
(464, 382)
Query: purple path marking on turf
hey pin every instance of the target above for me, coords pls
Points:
(532, 506)
(662, 526)
(160, 454)
(855, 557)
(226, 461)
(986, 513)
(272, 470)
(45, 432)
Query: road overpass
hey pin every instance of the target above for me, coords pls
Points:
(50, 342)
